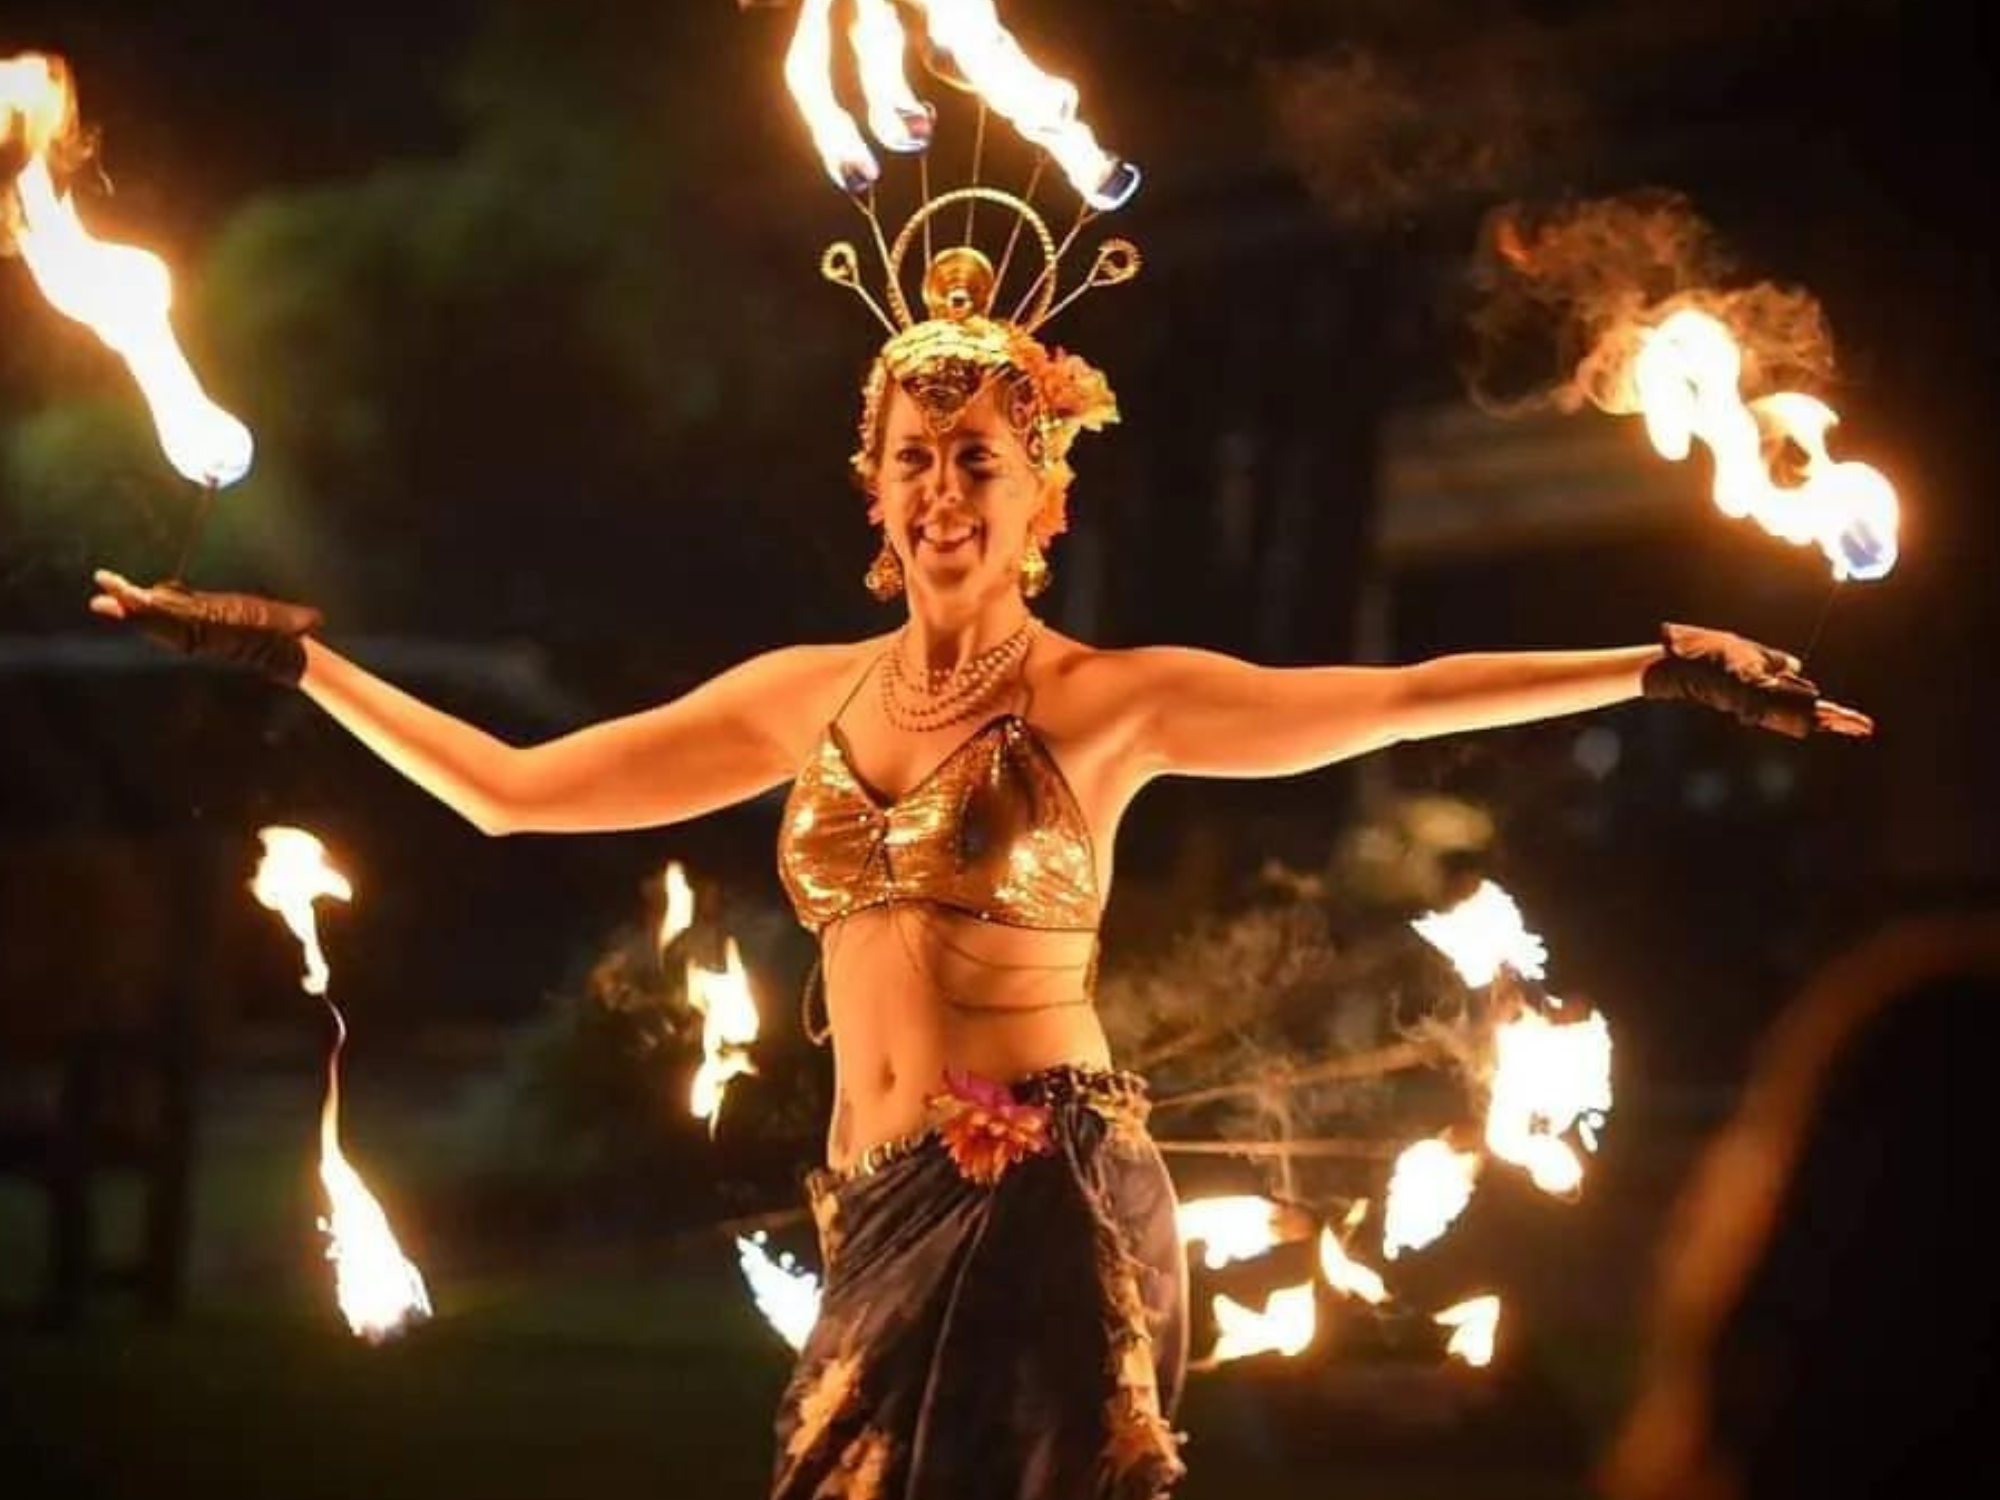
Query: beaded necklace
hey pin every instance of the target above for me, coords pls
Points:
(947, 695)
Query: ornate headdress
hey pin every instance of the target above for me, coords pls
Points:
(963, 344)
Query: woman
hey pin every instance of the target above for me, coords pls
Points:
(1002, 1311)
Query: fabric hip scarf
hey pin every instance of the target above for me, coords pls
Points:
(1003, 1310)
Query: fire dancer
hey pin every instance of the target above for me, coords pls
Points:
(1002, 1312)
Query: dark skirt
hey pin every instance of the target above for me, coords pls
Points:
(1003, 1310)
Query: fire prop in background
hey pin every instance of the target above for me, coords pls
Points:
(379, 1291)
(1544, 1075)
(121, 293)
(721, 997)
(1546, 1079)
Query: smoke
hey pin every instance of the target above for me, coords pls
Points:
(1381, 138)
(1560, 297)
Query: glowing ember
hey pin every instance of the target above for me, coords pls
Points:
(1474, 1323)
(787, 1296)
(729, 1025)
(121, 293)
(1428, 1189)
(1040, 105)
(1685, 378)
(1346, 1275)
(291, 876)
(1483, 934)
(1547, 1078)
(1230, 1228)
(379, 1291)
(1285, 1326)
(678, 915)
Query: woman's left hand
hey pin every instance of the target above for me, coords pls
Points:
(1757, 684)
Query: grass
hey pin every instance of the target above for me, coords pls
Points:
(621, 1371)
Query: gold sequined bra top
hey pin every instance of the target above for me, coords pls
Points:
(993, 831)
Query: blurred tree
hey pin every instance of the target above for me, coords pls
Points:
(509, 359)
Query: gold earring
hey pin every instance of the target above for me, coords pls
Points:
(1034, 570)
(884, 578)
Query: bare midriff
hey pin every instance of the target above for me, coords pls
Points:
(914, 989)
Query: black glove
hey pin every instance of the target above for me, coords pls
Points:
(243, 630)
(1759, 686)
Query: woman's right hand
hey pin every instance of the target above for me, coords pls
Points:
(264, 635)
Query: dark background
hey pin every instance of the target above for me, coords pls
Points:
(552, 414)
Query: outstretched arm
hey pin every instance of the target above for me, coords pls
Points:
(1205, 714)
(727, 740)
(736, 735)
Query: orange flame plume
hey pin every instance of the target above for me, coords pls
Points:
(1230, 1228)
(1428, 1189)
(1683, 376)
(379, 1291)
(968, 44)
(121, 293)
(1040, 105)
(1547, 1078)
(787, 1296)
(729, 1025)
(1345, 1274)
(1474, 1324)
(1285, 1326)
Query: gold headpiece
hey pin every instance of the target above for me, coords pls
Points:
(963, 344)
(945, 359)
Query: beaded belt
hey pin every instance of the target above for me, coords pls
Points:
(1111, 1093)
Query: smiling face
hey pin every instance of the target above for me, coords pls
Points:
(958, 507)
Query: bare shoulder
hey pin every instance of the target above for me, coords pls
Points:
(1091, 687)
(1064, 666)
(811, 667)
(794, 690)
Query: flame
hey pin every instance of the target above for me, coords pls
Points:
(1346, 1275)
(1483, 934)
(1685, 377)
(1040, 105)
(1473, 1322)
(291, 876)
(121, 293)
(787, 1296)
(380, 1292)
(809, 75)
(1428, 1189)
(898, 118)
(678, 915)
(967, 38)
(1547, 1078)
(1285, 1326)
(1233, 1228)
(729, 1025)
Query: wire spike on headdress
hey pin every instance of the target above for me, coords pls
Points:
(1118, 261)
(840, 265)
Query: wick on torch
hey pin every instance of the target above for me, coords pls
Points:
(379, 1291)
